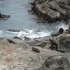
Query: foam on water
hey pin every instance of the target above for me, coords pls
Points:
(33, 34)
(62, 25)
(1, 33)
(21, 19)
(30, 33)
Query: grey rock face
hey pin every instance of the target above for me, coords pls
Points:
(52, 10)
(55, 63)
(20, 56)
(63, 42)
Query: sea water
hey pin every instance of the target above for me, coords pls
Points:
(21, 20)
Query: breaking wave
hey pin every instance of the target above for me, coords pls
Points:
(30, 33)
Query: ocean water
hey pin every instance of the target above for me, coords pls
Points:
(21, 20)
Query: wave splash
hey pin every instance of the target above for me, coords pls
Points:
(33, 34)
(26, 32)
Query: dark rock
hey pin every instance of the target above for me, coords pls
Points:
(52, 10)
(8, 16)
(12, 30)
(17, 38)
(4, 16)
(68, 31)
(0, 15)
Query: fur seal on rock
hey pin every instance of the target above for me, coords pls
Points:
(35, 50)
(53, 45)
(10, 41)
(61, 30)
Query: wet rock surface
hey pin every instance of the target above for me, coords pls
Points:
(2, 16)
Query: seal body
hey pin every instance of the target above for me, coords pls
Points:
(10, 41)
(35, 50)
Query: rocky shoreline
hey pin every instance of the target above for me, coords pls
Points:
(17, 54)
(37, 54)
(52, 10)
(46, 53)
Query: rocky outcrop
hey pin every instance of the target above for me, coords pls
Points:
(55, 63)
(2, 16)
(63, 42)
(52, 10)
(13, 30)
(21, 56)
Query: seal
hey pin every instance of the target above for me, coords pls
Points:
(53, 45)
(10, 41)
(35, 50)
(61, 30)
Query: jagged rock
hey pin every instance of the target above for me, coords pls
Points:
(13, 30)
(67, 2)
(45, 12)
(21, 57)
(55, 6)
(55, 63)
(2, 16)
(17, 37)
(52, 10)
(63, 42)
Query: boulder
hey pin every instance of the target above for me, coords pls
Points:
(2, 16)
(63, 42)
(52, 10)
(56, 6)
(67, 2)
(45, 12)
(21, 56)
(55, 63)
(13, 30)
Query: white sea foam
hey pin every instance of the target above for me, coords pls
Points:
(62, 25)
(32, 34)
(1, 33)
(12, 32)
(39, 34)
